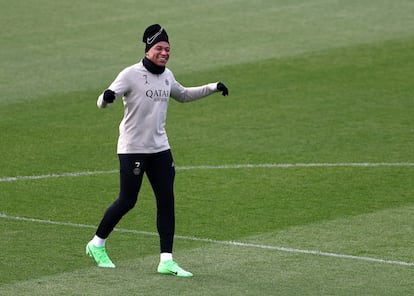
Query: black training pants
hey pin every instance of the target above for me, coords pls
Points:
(159, 168)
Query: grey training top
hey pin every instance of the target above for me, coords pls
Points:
(145, 97)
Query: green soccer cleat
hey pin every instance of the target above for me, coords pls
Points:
(99, 255)
(171, 267)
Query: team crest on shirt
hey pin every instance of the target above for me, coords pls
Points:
(167, 82)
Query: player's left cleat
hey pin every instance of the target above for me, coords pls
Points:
(172, 268)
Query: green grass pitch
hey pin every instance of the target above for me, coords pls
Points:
(298, 183)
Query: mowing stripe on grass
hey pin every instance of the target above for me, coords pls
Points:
(213, 241)
(218, 167)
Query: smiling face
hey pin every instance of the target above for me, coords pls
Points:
(159, 53)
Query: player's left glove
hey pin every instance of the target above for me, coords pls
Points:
(221, 87)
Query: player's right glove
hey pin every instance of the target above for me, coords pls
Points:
(109, 96)
(221, 87)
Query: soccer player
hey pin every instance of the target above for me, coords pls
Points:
(143, 147)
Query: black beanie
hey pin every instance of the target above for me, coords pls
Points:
(154, 34)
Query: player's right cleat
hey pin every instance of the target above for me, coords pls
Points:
(99, 255)
(172, 268)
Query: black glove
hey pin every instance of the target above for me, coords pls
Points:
(221, 87)
(109, 96)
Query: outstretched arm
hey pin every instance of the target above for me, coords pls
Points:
(188, 94)
(117, 88)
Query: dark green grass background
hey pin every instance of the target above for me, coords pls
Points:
(310, 82)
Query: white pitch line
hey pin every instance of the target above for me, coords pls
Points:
(298, 165)
(48, 176)
(219, 167)
(213, 241)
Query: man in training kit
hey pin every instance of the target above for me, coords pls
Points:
(143, 144)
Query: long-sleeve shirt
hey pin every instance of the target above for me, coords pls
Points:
(145, 97)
